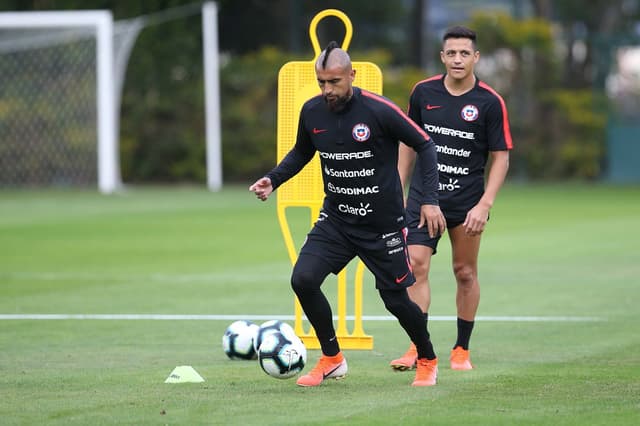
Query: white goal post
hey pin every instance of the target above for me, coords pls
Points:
(101, 21)
(212, 94)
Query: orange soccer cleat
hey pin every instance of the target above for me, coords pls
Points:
(328, 367)
(406, 361)
(460, 359)
(426, 372)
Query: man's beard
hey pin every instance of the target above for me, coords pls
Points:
(337, 104)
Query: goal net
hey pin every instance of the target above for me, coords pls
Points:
(62, 77)
(56, 100)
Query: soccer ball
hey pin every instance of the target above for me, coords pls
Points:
(282, 356)
(269, 327)
(238, 340)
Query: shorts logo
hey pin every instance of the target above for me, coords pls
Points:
(395, 250)
(393, 242)
(402, 278)
(469, 113)
(361, 132)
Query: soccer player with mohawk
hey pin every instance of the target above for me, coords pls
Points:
(356, 134)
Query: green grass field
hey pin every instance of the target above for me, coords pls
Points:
(566, 257)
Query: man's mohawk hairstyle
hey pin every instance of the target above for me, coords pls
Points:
(332, 45)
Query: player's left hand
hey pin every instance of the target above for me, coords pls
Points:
(476, 220)
(433, 217)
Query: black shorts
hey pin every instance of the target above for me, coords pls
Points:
(385, 255)
(420, 236)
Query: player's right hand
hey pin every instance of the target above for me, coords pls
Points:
(262, 188)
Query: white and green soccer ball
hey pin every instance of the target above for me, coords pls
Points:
(282, 355)
(238, 340)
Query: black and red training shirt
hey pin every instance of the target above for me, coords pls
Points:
(358, 149)
(465, 129)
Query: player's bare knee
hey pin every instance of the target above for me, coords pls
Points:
(419, 267)
(465, 275)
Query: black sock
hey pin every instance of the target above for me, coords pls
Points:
(330, 347)
(464, 333)
(430, 352)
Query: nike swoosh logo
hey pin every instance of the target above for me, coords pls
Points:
(399, 280)
(324, 376)
(430, 107)
(316, 131)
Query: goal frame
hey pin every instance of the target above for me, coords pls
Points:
(101, 21)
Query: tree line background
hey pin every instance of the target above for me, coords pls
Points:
(549, 60)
